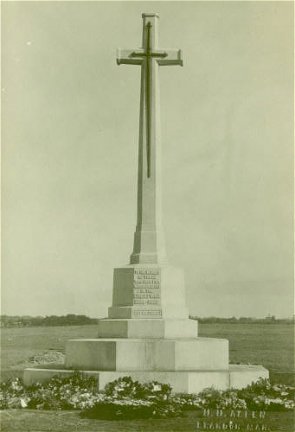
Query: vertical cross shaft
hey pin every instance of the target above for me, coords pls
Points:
(148, 95)
(148, 238)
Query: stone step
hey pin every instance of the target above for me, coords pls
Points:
(147, 328)
(147, 354)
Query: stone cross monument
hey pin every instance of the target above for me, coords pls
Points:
(148, 239)
(148, 288)
(147, 334)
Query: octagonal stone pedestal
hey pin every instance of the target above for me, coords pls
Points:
(167, 351)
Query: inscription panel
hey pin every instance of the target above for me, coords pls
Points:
(146, 287)
(147, 313)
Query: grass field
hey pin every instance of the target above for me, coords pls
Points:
(64, 421)
(271, 345)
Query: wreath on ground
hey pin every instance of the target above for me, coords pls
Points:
(125, 398)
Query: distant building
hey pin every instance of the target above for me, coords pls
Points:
(270, 318)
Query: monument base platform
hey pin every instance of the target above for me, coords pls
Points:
(119, 354)
(237, 376)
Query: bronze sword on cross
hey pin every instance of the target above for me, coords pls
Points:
(148, 55)
(144, 57)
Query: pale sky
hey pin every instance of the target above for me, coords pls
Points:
(69, 153)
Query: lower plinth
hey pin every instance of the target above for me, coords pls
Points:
(189, 364)
(118, 354)
(237, 376)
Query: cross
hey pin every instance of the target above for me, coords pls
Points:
(145, 57)
(149, 244)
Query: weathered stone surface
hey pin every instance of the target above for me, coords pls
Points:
(149, 244)
(242, 375)
(147, 354)
(147, 328)
(148, 291)
(187, 382)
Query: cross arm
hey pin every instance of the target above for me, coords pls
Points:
(128, 56)
(173, 57)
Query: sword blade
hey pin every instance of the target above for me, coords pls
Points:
(148, 99)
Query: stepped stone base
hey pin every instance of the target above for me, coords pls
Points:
(163, 350)
(237, 376)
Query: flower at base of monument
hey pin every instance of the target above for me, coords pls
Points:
(16, 385)
(85, 400)
(123, 387)
(232, 403)
(289, 404)
(263, 395)
(130, 399)
(23, 403)
(212, 398)
(276, 388)
(263, 402)
(13, 402)
(132, 402)
(156, 390)
(156, 387)
(188, 401)
(277, 401)
(10, 393)
(126, 387)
